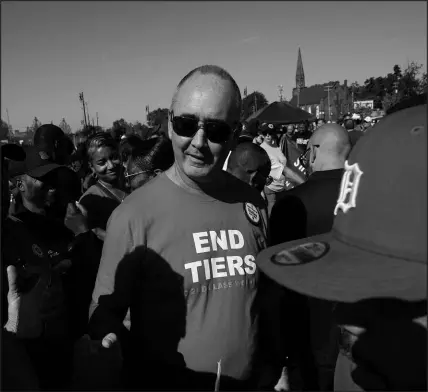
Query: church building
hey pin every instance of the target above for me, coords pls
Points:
(318, 99)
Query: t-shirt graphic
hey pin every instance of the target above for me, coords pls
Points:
(209, 247)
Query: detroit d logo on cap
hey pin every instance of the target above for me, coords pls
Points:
(348, 188)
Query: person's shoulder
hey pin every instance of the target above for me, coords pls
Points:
(243, 192)
(92, 190)
(149, 190)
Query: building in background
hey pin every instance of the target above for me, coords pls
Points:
(318, 99)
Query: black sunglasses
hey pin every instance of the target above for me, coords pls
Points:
(303, 159)
(217, 131)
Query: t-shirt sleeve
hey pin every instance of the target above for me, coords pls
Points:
(114, 283)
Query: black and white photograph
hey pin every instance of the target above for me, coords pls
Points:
(213, 196)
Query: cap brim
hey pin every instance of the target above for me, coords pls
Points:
(13, 152)
(327, 268)
(41, 171)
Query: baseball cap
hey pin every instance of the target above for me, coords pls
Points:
(378, 245)
(13, 152)
(36, 165)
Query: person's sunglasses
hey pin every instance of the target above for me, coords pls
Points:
(304, 158)
(217, 131)
(128, 176)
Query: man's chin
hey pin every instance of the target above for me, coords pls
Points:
(198, 172)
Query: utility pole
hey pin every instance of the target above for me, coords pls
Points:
(82, 99)
(87, 113)
(97, 119)
(8, 121)
(255, 101)
(328, 98)
(280, 90)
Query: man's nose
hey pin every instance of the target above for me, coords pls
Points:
(110, 164)
(200, 138)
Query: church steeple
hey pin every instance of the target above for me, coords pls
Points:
(300, 74)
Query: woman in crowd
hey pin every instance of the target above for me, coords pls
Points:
(279, 170)
(152, 157)
(107, 193)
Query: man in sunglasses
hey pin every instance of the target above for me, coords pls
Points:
(179, 253)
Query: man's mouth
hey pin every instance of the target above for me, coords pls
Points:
(196, 157)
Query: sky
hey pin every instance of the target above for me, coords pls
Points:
(126, 55)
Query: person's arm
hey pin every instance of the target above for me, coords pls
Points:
(114, 284)
(290, 174)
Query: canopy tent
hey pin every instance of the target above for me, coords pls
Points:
(281, 113)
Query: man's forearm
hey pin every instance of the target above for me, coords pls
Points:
(288, 173)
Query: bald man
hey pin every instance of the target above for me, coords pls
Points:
(251, 164)
(305, 211)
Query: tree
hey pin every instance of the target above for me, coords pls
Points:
(397, 71)
(423, 84)
(36, 124)
(410, 82)
(389, 100)
(4, 130)
(141, 130)
(251, 103)
(157, 117)
(64, 126)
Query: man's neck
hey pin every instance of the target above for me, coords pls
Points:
(176, 175)
(333, 165)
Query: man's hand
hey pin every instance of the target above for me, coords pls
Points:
(110, 340)
(76, 218)
(100, 233)
(23, 307)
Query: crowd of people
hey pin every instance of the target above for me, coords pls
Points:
(203, 260)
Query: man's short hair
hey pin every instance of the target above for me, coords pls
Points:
(244, 152)
(211, 70)
(46, 135)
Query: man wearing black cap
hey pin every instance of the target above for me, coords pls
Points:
(9, 152)
(52, 144)
(373, 262)
(45, 242)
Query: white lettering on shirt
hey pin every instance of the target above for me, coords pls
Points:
(194, 269)
(232, 235)
(217, 267)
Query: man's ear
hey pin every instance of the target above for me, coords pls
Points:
(314, 155)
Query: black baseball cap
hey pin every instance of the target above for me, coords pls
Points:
(36, 165)
(14, 152)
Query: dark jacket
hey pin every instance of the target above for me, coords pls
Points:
(306, 211)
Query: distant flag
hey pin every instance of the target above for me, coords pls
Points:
(147, 109)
